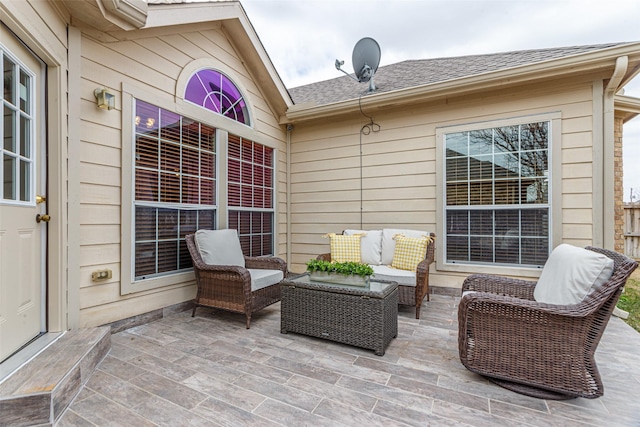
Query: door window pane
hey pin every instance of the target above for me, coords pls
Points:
(8, 81)
(9, 129)
(9, 177)
(25, 181)
(25, 87)
(25, 136)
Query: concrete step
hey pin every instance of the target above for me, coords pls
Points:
(40, 390)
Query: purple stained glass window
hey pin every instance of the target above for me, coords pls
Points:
(216, 92)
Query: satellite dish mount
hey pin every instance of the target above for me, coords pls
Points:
(365, 60)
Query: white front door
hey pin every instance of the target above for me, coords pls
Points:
(22, 238)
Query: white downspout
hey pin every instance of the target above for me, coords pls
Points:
(288, 257)
(608, 155)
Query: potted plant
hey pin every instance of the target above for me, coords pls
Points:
(346, 273)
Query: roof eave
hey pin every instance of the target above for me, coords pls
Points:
(626, 107)
(598, 61)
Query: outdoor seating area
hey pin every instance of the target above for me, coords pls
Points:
(210, 370)
(377, 248)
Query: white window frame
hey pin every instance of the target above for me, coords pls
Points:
(271, 210)
(175, 206)
(554, 196)
(31, 160)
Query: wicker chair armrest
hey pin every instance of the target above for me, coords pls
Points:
(201, 265)
(423, 266)
(212, 271)
(324, 257)
(522, 289)
(431, 249)
(422, 269)
(266, 263)
(530, 309)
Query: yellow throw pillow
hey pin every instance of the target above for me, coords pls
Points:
(409, 252)
(345, 248)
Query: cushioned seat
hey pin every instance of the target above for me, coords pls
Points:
(403, 277)
(263, 278)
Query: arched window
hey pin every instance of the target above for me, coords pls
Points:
(216, 92)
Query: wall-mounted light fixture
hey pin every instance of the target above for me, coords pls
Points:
(106, 99)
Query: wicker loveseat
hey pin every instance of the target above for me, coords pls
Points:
(377, 250)
(246, 287)
(538, 348)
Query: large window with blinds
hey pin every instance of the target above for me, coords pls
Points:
(175, 188)
(497, 195)
(250, 195)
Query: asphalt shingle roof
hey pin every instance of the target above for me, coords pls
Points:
(412, 73)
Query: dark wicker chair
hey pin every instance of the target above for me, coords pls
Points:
(412, 295)
(541, 350)
(229, 287)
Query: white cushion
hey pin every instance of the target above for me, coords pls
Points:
(403, 277)
(261, 278)
(370, 245)
(570, 274)
(220, 247)
(389, 245)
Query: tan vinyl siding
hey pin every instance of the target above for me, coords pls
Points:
(399, 166)
(152, 65)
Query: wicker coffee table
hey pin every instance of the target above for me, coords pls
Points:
(360, 316)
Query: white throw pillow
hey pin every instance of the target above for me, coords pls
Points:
(220, 247)
(389, 244)
(570, 274)
(370, 245)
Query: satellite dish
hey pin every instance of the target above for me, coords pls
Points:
(365, 60)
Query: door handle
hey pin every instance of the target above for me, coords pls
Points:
(45, 218)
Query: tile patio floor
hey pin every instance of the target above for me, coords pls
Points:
(210, 371)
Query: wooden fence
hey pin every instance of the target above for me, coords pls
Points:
(632, 230)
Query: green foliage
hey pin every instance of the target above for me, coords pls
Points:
(630, 302)
(339, 267)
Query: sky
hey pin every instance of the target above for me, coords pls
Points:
(304, 38)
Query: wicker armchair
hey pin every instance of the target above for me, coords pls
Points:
(229, 287)
(541, 350)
